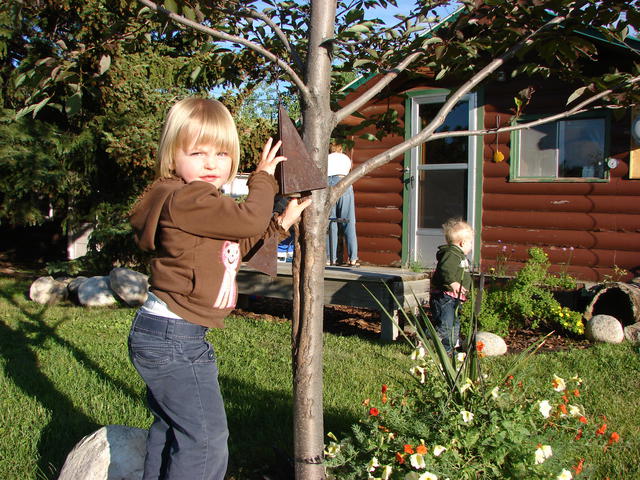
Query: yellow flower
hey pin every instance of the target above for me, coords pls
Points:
(558, 383)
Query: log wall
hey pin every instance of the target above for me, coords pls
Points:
(589, 229)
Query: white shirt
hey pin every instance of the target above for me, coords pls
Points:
(338, 164)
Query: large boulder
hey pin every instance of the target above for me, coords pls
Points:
(604, 328)
(96, 292)
(129, 285)
(493, 345)
(114, 452)
(632, 333)
(47, 291)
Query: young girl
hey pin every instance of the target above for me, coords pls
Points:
(200, 238)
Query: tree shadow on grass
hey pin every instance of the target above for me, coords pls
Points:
(68, 424)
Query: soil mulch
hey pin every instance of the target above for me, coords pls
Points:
(345, 320)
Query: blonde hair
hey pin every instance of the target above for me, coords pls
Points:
(194, 121)
(455, 229)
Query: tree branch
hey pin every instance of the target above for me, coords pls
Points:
(233, 39)
(429, 130)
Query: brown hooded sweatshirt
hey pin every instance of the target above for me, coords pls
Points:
(200, 238)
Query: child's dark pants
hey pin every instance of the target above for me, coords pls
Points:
(188, 437)
(445, 320)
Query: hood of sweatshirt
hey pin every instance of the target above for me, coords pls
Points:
(146, 212)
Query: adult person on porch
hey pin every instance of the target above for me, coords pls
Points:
(339, 165)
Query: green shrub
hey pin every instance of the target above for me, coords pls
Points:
(527, 300)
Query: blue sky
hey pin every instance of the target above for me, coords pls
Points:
(403, 8)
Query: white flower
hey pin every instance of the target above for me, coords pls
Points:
(575, 411)
(461, 356)
(428, 476)
(558, 384)
(577, 379)
(417, 461)
(418, 353)
(418, 372)
(565, 475)
(438, 449)
(386, 472)
(495, 393)
(467, 416)
(544, 407)
(372, 464)
(466, 386)
(542, 453)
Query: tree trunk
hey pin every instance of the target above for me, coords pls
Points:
(308, 267)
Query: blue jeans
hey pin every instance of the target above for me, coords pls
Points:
(188, 437)
(445, 320)
(344, 208)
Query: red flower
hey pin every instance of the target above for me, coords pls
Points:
(399, 458)
(421, 449)
(614, 438)
(384, 388)
(601, 430)
(374, 412)
(578, 468)
(479, 346)
(408, 449)
(578, 435)
(583, 419)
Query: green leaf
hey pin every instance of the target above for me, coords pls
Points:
(105, 63)
(360, 28)
(73, 104)
(195, 73)
(576, 94)
(40, 105)
(171, 6)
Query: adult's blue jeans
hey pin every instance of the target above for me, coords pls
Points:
(188, 436)
(445, 320)
(344, 208)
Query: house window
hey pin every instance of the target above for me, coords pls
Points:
(570, 149)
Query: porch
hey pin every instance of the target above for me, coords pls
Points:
(344, 285)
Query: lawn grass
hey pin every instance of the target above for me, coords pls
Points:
(65, 372)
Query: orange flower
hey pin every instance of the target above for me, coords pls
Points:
(583, 419)
(565, 399)
(479, 346)
(399, 458)
(408, 449)
(578, 468)
(422, 449)
(374, 412)
(614, 438)
(601, 430)
(576, 393)
(563, 408)
(578, 435)
(384, 398)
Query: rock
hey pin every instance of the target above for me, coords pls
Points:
(47, 291)
(129, 285)
(96, 292)
(114, 452)
(604, 328)
(494, 345)
(73, 287)
(632, 333)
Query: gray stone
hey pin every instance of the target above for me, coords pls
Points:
(494, 345)
(74, 285)
(129, 285)
(96, 292)
(604, 328)
(47, 291)
(632, 333)
(114, 452)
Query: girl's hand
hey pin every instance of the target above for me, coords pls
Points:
(292, 213)
(268, 159)
(457, 288)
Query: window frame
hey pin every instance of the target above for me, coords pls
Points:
(516, 141)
